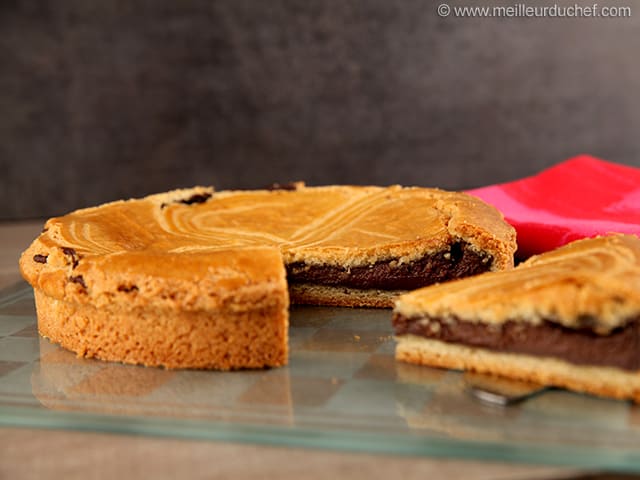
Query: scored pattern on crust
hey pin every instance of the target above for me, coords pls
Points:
(341, 217)
(282, 222)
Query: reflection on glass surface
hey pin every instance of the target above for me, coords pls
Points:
(342, 389)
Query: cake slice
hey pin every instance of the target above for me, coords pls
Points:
(221, 310)
(568, 318)
(202, 279)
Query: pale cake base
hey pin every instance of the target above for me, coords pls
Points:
(171, 339)
(603, 381)
(307, 294)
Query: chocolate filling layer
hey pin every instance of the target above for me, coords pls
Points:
(621, 348)
(460, 261)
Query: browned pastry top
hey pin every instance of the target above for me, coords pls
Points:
(160, 246)
(591, 283)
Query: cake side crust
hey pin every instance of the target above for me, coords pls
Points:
(307, 294)
(482, 225)
(220, 340)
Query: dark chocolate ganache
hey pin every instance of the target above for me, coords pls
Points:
(460, 261)
(620, 348)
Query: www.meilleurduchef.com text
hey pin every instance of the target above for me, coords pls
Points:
(522, 10)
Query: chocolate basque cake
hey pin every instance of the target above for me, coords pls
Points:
(567, 318)
(197, 278)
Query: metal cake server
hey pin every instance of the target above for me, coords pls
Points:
(500, 391)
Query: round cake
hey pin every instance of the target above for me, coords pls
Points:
(200, 279)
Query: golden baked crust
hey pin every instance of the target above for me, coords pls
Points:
(222, 254)
(596, 279)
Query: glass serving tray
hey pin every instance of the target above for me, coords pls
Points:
(342, 390)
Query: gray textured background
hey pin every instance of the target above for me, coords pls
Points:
(103, 100)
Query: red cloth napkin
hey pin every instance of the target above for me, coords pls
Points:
(580, 197)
